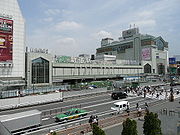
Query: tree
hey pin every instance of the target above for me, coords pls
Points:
(97, 130)
(129, 127)
(152, 124)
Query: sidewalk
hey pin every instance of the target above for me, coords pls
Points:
(42, 99)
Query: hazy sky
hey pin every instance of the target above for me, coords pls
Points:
(72, 27)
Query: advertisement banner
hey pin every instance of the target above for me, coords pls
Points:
(146, 54)
(6, 40)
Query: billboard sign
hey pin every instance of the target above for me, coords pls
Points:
(172, 60)
(6, 40)
(146, 54)
(130, 32)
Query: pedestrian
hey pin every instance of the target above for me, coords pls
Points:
(144, 93)
(96, 117)
(137, 106)
(95, 121)
(146, 107)
(91, 120)
(177, 92)
(139, 112)
(82, 132)
(166, 94)
(157, 95)
(127, 110)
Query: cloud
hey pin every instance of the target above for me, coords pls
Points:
(48, 19)
(102, 34)
(65, 46)
(68, 25)
(146, 14)
(52, 12)
(66, 41)
(145, 23)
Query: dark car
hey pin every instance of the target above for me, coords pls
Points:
(118, 95)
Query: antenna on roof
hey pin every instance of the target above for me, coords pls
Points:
(134, 25)
(130, 26)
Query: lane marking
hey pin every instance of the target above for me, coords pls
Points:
(45, 119)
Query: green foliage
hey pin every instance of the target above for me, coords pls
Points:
(152, 125)
(129, 127)
(97, 130)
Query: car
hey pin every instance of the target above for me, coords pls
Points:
(71, 114)
(90, 87)
(118, 95)
(120, 106)
(94, 86)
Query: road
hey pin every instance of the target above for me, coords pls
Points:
(96, 104)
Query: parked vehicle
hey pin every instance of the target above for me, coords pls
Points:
(18, 121)
(121, 106)
(118, 95)
(71, 114)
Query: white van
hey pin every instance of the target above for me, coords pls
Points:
(120, 106)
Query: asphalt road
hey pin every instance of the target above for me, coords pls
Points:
(97, 105)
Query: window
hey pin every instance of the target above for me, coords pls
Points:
(40, 71)
(120, 106)
(124, 105)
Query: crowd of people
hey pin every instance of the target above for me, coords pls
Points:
(93, 119)
(153, 91)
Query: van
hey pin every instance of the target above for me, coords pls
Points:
(120, 106)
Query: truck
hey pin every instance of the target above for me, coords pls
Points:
(23, 120)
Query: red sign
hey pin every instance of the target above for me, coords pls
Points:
(6, 40)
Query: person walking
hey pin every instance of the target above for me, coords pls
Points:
(146, 107)
(139, 112)
(127, 110)
(137, 106)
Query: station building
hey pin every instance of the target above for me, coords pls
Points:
(149, 51)
(43, 68)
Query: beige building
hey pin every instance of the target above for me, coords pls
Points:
(149, 51)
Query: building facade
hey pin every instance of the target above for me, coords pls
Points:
(38, 68)
(44, 69)
(149, 51)
(12, 44)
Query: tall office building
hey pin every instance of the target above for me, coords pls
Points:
(12, 44)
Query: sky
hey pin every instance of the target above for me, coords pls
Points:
(73, 27)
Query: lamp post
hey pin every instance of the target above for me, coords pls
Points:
(19, 94)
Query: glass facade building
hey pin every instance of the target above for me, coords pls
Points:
(40, 71)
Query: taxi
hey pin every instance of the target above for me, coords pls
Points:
(71, 114)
